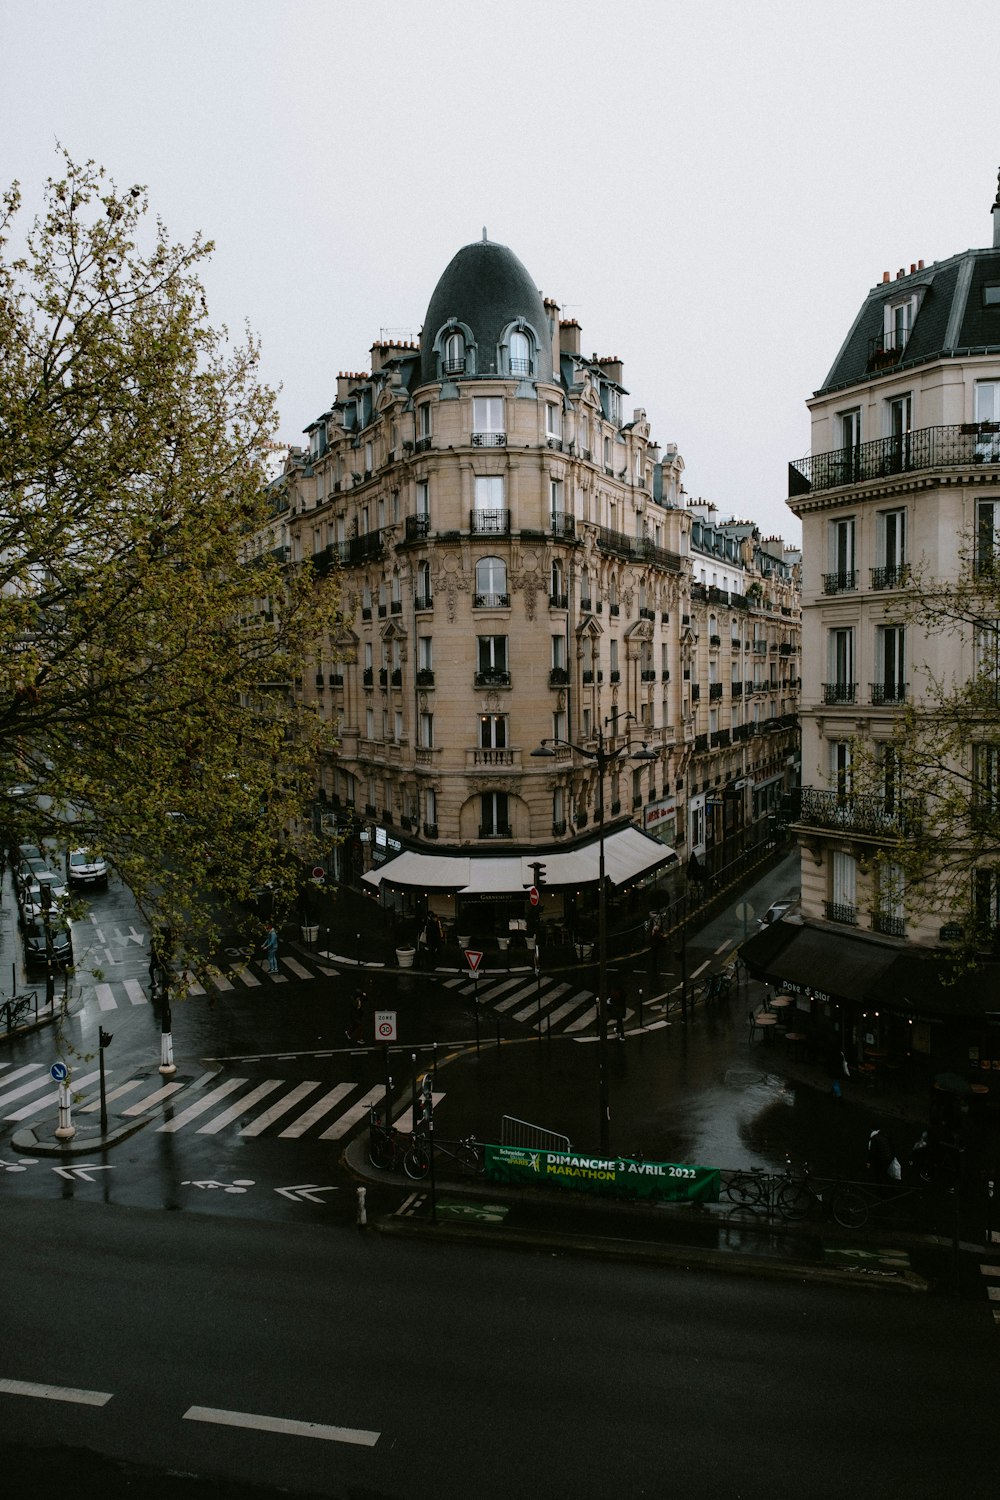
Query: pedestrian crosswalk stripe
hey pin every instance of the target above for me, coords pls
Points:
(222, 984)
(990, 1270)
(581, 1021)
(568, 1006)
(92, 1107)
(39, 1081)
(993, 1292)
(515, 999)
(37, 1104)
(153, 1099)
(352, 1116)
(135, 992)
(316, 1111)
(105, 997)
(240, 1107)
(535, 1005)
(282, 1107)
(246, 976)
(200, 1107)
(297, 969)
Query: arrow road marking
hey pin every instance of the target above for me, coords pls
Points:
(82, 1172)
(239, 1186)
(304, 1190)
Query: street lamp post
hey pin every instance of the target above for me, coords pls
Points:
(602, 758)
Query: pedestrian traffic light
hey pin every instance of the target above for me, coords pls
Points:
(426, 1114)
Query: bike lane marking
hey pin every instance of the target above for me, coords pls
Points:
(54, 1392)
(285, 1425)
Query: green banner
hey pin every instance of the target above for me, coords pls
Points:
(616, 1176)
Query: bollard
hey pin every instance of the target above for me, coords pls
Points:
(65, 1130)
(362, 1211)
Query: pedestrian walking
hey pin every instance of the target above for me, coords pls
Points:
(355, 1024)
(270, 947)
(655, 944)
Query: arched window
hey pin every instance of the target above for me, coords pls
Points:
(453, 362)
(520, 354)
(557, 585)
(425, 593)
(491, 584)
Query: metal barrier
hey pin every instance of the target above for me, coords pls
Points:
(514, 1132)
(15, 1011)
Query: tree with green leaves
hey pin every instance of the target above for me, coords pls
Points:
(150, 630)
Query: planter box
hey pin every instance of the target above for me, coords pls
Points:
(310, 934)
(405, 957)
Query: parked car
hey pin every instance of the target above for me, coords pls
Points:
(36, 943)
(83, 867)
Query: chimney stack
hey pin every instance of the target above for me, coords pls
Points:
(996, 216)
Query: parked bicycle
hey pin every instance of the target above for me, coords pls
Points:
(387, 1146)
(853, 1205)
(468, 1156)
(798, 1197)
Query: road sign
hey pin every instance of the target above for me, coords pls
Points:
(744, 912)
(59, 1072)
(533, 895)
(385, 1025)
(473, 958)
(318, 872)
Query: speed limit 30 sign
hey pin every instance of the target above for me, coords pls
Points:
(385, 1025)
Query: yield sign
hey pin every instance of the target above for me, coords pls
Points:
(473, 958)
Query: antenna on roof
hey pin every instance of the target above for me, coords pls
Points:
(484, 226)
(995, 211)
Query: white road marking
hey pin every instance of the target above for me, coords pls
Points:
(281, 1424)
(296, 968)
(258, 1126)
(990, 1270)
(590, 1014)
(30, 1109)
(39, 1081)
(247, 976)
(200, 1107)
(351, 1116)
(151, 1099)
(241, 1106)
(580, 998)
(135, 992)
(54, 1392)
(105, 997)
(316, 1111)
(125, 1088)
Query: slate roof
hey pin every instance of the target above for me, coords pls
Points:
(951, 319)
(486, 287)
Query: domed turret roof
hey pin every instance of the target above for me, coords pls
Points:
(486, 288)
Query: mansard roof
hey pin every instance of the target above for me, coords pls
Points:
(486, 288)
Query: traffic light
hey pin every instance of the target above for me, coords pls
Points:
(426, 1113)
(538, 870)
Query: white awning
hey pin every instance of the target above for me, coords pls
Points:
(426, 872)
(628, 854)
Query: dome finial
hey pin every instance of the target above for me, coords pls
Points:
(484, 226)
(995, 211)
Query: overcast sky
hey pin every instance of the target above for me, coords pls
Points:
(710, 189)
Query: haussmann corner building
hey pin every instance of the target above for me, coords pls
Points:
(520, 563)
(905, 466)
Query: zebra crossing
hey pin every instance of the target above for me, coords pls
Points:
(208, 1104)
(528, 998)
(122, 993)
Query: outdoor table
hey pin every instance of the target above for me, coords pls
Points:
(780, 1001)
(795, 1036)
(764, 1019)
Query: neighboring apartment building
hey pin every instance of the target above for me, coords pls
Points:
(517, 566)
(904, 473)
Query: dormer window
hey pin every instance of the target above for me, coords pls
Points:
(898, 323)
(520, 354)
(453, 362)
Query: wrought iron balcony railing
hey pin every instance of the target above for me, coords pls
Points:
(891, 926)
(840, 692)
(423, 601)
(860, 812)
(417, 528)
(840, 583)
(564, 525)
(888, 692)
(558, 677)
(958, 445)
(489, 522)
(840, 911)
(489, 440)
(491, 601)
(493, 677)
(893, 576)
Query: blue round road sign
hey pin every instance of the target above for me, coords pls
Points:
(59, 1072)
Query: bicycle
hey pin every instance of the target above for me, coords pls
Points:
(387, 1147)
(17, 1010)
(853, 1205)
(468, 1155)
(749, 1190)
(797, 1197)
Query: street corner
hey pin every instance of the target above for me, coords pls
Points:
(86, 1139)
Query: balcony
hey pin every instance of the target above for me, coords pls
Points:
(368, 677)
(366, 612)
(893, 576)
(492, 677)
(558, 828)
(504, 759)
(720, 739)
(360, 549)
(495, 831)
(396, 677)
(425, 678)
(417, 528)
(864, 813)
(648, 674)
(590, 677)
(700, 743)
(423, 601)
(889, 925)
(614, 675)
(957, 446)
(563, 526)
(760, 648)
(887, 692)
(383, 677)
(736, 689)
(559, 677)
(586, 605)
(489, 522)
(395, 606)
(715, 641)
(646, 614)
(430, 830)
(489, 440)
(383, 611)
(695, 692)
(336, 679)
(491, 601)
(558, 601)
(839, 911)
(840, 692)
(714, 692)
(840, 583)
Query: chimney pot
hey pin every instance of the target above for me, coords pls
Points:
(886, 276)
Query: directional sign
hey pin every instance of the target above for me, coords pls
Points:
(304, 1191)
(473, 957)
(82, 1172)
(59, 1072)
(385, 1025)
(533, 895)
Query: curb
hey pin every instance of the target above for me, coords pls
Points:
(87, 1140)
